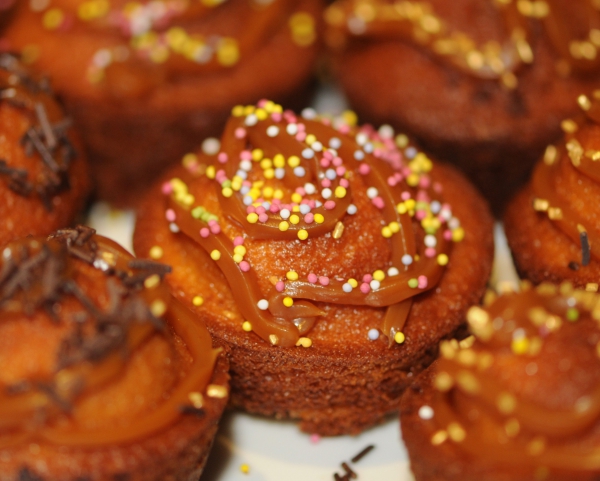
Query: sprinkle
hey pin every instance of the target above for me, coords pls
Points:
(363, 453)
(158, 308)
(319, 219)
(353, 283)
(413, 283)
(198, 301)
(314, 438)
(216, 391)
(399, 337)
(308, 153)
(273, 131)
(407, 259)
(302, 234)
(312, 278)
(372, 192)
(422, 282)
(304, 342)
(365, 288)
(442, 259)
(252, 218)
(246, 326)
(244, 266)
(373, 334)
(288, 301)
(215, 255)
(263, 304)
(273, 339)
(426, 412)
(173, 228)
(244, 468)
(324, 280)
(347, 287)
(284, 213)
(352, 209)
(292, 275)
(439, 437)
(585, 246)
(156, 252)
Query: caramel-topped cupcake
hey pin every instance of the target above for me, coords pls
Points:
(147, 79)
(104, 375)
(482, 83)
(520, 401)
(552, 225)
(43, 174)
(329, 258)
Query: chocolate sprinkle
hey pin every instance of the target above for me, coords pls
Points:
(363, 453)
(349, 471)
(191, 410)
(26, 475)
(585, 248)
(573, 266)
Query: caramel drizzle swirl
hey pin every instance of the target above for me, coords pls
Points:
(37, 274)
(281, 324)
(510, 430)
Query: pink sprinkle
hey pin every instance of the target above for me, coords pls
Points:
(344, 129)
(341, 170)
(392, 181)
(312, 278)
(324, 281)
(240, 133)
(447, 235)
(300, 136)
(326, 183)
(420, 215)
(246, 155)
(365, 288)
(429, 252)
(260, 209)
(422, 196)
(344, 183)
(326, 121)
(261, 103)
(301, 191)
(378, 202)
(544, 331)
(280, 286)
(170, 215)
(204, 232)
(314, 438)
(247, 183)
(301, 128)
(312, 203)
(212, 222)
(222, 157)
(238, 241)
(377, 152)
(324, 163)
(328, 155)
(422, 282)
(244, 266)
(250, 209)
(274, 208)
(215, 229)
(424, 182)
(367, 278)
(364, 169)
(289, 116)
(398, 175)
(276, 116)
(337, 161)
(309, 218)
(263, 217)
(437, 187)
(329, 205)
(405, 195)
(167, 188)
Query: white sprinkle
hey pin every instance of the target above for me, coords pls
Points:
(407, 259)
(373, 334)
(6, 253)
(346, 287)
(318, 203)
(173, 227)
(425, 412)
(309, 113)
(326, 193)
(273, 131)
(454, 223)
(101, 264)
(263, 304)
(430, 240)
(317, 146)
(251, 120)
(279, 173)
(246, 165)
(330, 174)
(372, 192)
(211, 146)
(335, 143)
(435, 207)
(359, 154)
(410, 152)
(386, 131)
(375, 284)
(242, 174)
(284, 213)
(445, 214)
(309, 188)
(102, 58)
(352, 209)
(519, 333)
(245, 189)
(361, 138)
(304, 209)
(356, 26)
(368, 148)
(393, 271)
(247, 200)
(299, 171)
(308, 153)
(292, 129)
(266, 204)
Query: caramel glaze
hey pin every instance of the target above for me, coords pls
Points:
(484, 407)
(571, 27)
(381, 165)
(575, 159)
(38, 275)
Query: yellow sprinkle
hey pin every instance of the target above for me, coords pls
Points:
(410, 204)
(353, 282)
(288, 301)
(506, 403)
(156, 252)
(294, 161)
(196, 399)
(338, 230)
(350, 117)
(244, 468)
(158, 308)
(386, 232)
(237, 111)
(399, 337)
(291, 276)
(296, 198)
(458, 234)
(456, 432)
(278, 194)
(249, 109)
(269, 174)
(310, 139)
(246, 326)
(261, 114)
(303, 234)
(412, 180)
(279, 161)
(216, 391)
(53, 18)
(215, 255)
(401, 208)
(241, 250)
(319, 219)
(379, 275)
(294, 219)
(304, 342)
(227, 192)
(257, 155)
(394, 227)
(237, 258)
(439, 437)
(266, 164)
(228, 52)
(268, 192)
(340, 192)
(211, 172)
(283, 226)
(198, 301)
(159, 54)
(520, 346)
(252, 218)
(152, 281)
(442, 259)
(273, 339)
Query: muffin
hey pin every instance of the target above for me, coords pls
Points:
(518, 402)
(104, 374)
(481, 83)
(43, 175)
(328, 259)
(552, 224)
(147, 80)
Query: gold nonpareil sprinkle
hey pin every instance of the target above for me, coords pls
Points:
(216, 391)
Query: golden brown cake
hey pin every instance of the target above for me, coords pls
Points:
(481, 83)
(552, 225)
(329, 260)
(44, 179)
(146, 80)
(519, 402)
(103, 374)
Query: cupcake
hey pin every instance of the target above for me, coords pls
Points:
(328, 259)
(518, 402)
(146, 80)
(483, 84)
(552, 224)
(104, 374)
(43, 175)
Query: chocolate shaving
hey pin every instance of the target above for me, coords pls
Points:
(585, 248)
